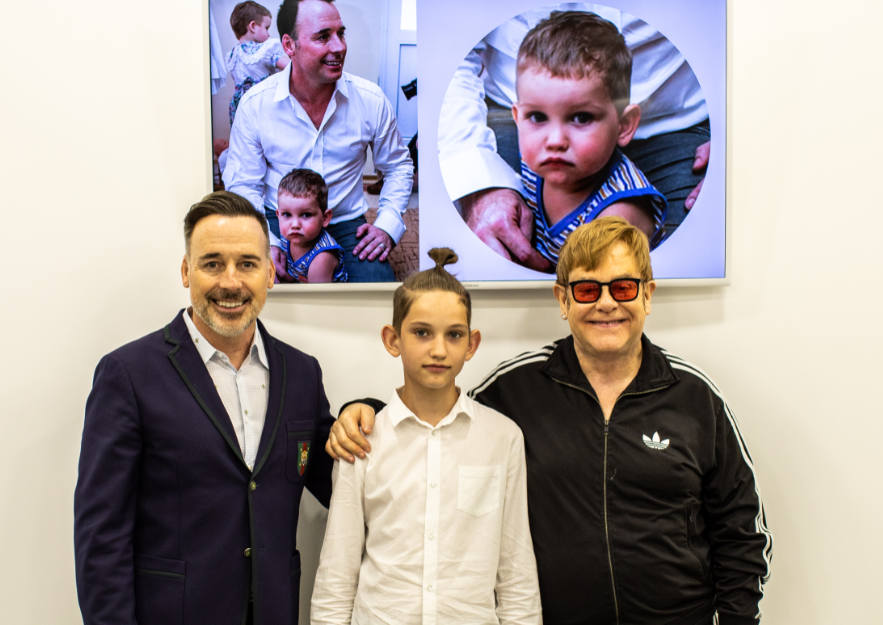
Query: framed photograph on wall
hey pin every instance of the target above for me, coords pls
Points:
(512, 157)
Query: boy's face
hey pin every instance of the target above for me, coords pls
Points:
(300, 219)
(261, 32)
(434, 341)
(568, 127)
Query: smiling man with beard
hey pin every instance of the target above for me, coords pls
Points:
(197, 444)
(313, 115)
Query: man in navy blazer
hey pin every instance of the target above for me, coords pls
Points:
(186, 514)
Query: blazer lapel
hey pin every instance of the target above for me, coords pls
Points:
(187, 362)
(276, 400)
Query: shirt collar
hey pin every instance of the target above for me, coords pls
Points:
(207, 350)
(283, 92)
(398, 411)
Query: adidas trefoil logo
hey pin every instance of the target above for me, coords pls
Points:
(655, 443)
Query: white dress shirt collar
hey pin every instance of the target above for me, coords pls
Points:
(398, 411)
(207, 350)
(283, 90)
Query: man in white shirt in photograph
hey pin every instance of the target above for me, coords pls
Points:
(314, 115)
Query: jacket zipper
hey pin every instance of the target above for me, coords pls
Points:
(604, 477)
(606, 529)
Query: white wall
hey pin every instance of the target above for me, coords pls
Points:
(104, 148)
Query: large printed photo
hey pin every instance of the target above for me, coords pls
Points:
(557, 115)
(534, 119)
(317, 127)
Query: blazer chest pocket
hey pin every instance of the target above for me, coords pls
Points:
(300, 449)
(478, 489)
(159, 590)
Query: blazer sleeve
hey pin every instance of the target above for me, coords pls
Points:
(105, 498)
(319, 478)
(741, 544)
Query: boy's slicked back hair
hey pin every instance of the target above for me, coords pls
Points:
(577, 44)
(225, 204)
(305, 183)
(244, 14)
(435, 279)
(588, 246)
(286, 18)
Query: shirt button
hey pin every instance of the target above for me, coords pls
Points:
(433, 484)
(432, 537)
(434, 432)
(253, 485)
(246, 412)
(247, 552)
(429, 587)
(263, 386)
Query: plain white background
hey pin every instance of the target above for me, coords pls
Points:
(105, 146)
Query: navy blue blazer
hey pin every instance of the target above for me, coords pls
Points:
(170, 525)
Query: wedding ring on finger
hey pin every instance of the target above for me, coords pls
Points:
(382, 246)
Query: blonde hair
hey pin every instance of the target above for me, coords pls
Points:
(435, 279)
(588, 246)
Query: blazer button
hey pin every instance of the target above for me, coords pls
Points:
(253, 485)
(247, 552)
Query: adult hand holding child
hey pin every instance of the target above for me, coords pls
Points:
(501, 219)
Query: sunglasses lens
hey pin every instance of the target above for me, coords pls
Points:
(586, 292)
(623, 290)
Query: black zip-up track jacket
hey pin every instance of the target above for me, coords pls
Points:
(654, 517)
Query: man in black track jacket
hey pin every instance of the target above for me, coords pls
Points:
(643, 503)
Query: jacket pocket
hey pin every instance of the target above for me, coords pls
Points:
(159, 590)
(696, 540)
(300, 449)
(478, 489)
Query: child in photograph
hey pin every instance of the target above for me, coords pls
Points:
(256, 56)
(432, 525)
(573, 82)
(312, 254)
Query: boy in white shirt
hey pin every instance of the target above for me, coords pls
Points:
(431, 527)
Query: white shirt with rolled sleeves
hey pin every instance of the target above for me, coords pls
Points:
(662, 83)
(272, 134)
(431, 525)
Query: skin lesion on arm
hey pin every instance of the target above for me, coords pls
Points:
(635, 214)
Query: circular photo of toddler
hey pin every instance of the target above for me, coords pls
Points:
(560, 116)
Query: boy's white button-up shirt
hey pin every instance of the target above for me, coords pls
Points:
(430, 525)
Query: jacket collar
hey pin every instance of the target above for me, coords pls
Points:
(187, 361)
(655, 371)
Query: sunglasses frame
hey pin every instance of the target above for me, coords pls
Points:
(601, 285)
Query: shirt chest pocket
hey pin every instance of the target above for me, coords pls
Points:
(478, 489)
(300, 449)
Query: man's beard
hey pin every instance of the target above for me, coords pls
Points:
(228, 326)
